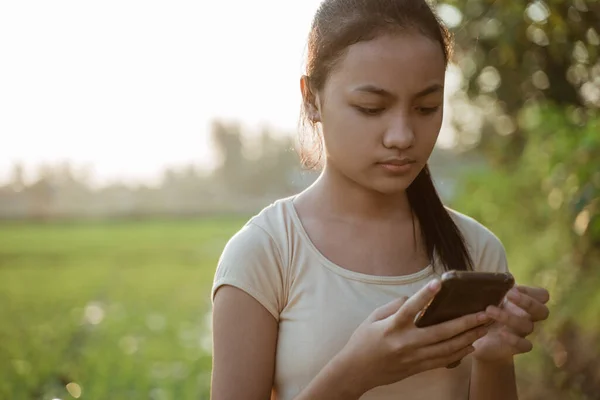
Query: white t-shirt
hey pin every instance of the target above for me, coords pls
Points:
(319, 304)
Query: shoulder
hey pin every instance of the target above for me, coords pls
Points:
(263, 232)
(475, 233)
(272, 224)
(486, 249)
(255, 258)
(274, 219)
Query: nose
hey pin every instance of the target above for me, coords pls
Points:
(399, 134)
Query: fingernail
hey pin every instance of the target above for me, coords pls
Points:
(482, 317)
(514, 295)
(434, 284)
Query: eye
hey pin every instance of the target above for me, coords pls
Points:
(370, 111)
(427, 110)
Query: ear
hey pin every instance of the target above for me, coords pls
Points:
(310, 100)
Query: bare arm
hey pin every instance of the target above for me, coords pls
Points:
(244, 347)
(493, 381)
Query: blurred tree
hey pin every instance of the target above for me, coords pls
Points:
(228, 143)
(41, 193)
(272, 170)
(258, 165)
(17, 177)
(531, 81)
(515, 53)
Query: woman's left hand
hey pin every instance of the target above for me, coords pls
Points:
(524, 306)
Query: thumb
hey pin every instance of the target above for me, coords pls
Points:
(388, 309)
(417, 302)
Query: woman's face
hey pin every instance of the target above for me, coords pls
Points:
(381, 110)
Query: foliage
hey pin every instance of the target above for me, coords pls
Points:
(529, 105)
(516, 53)
(546, 210)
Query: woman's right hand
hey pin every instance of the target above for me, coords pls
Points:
(387, 347)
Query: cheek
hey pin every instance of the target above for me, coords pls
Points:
(428, 131)
(346, 131)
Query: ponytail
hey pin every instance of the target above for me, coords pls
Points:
(439, 232)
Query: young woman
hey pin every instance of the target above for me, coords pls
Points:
(314, 298)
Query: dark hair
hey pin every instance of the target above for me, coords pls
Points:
(337, 25)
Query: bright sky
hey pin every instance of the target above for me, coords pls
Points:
(130, 86)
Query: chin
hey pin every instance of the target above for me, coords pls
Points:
(390, 186)
(381, 183)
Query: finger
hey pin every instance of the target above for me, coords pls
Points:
(536, 309)
(538, 293)
(450, 346)
(520, 345)
(417, 302)
(449, 329)
(440, 362)
(514, 309)
(388, 309)
(521, 325)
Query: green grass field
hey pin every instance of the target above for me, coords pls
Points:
(108, 310)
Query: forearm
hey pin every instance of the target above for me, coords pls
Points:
(493, 381)
(336, 381)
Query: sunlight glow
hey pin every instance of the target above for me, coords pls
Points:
(129, 87)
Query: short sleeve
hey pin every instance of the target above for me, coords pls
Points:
(491, 254)
(486, 250)
(252, 262)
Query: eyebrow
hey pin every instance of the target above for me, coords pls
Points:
(436, 87)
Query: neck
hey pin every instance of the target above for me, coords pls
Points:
(343, 198)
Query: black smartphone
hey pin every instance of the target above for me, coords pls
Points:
(465, 292)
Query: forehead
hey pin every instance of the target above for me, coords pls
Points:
(399, 63)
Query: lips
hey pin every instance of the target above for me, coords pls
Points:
(397, 165)
(397, 162)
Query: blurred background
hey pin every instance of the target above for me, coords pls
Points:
(137, 137)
